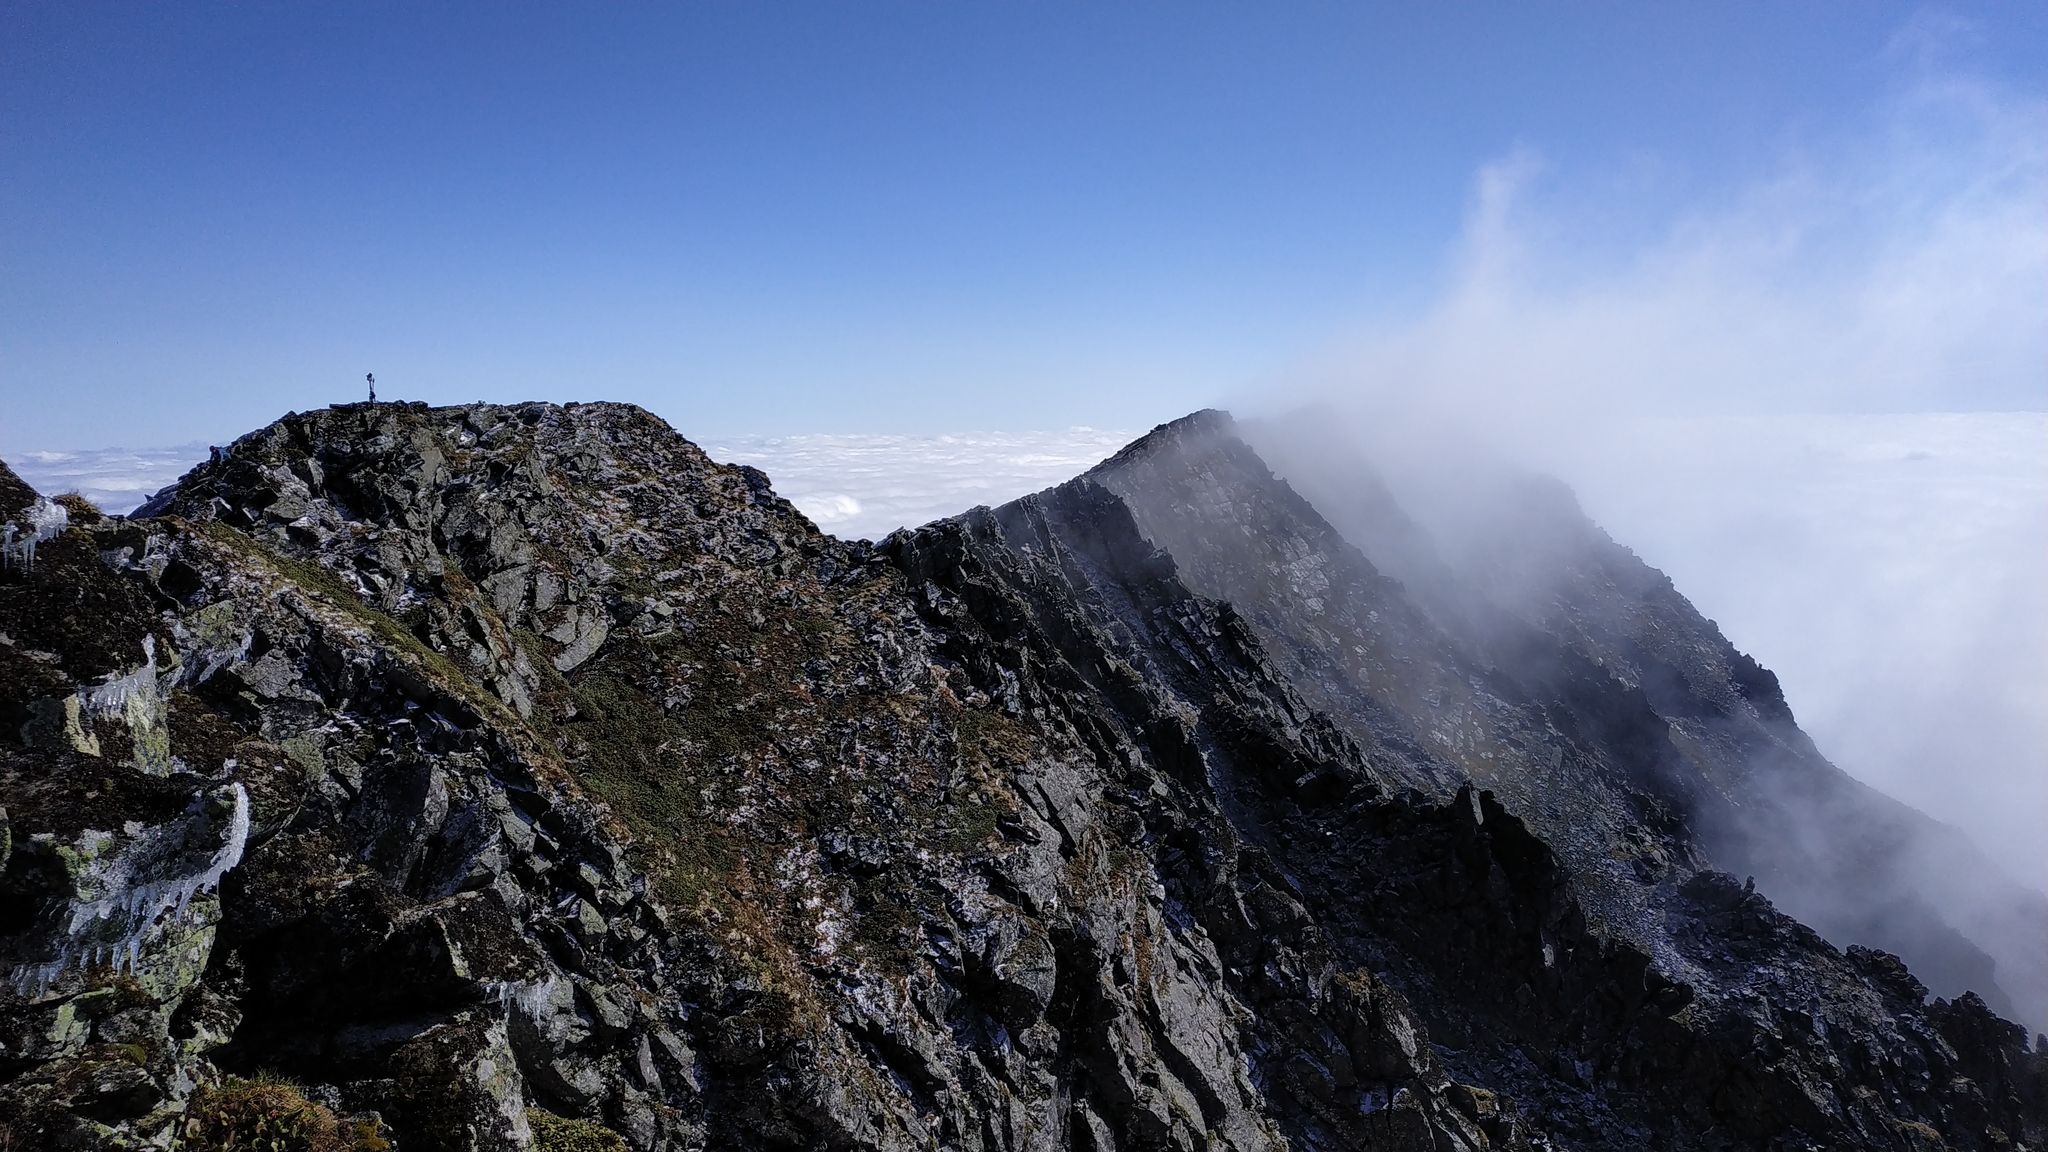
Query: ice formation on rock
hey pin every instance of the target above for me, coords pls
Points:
(123, 892)
(138, 699)
(115, 696)
(46, 519)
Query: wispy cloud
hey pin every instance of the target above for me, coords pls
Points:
(1896, 573)
(1901, 266)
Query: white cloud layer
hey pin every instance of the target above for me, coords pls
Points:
(1892, 568)
(868, 486)
(115, 479)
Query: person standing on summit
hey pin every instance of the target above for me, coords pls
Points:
(372, 378)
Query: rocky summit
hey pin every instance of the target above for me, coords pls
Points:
(519, 777)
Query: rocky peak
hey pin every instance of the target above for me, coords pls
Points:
(490, 771)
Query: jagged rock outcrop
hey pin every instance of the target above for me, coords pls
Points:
(454, 762)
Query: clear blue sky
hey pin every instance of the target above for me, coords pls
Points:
(837, 217)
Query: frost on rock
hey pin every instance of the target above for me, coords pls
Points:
(132, 890)
(138, 699)
(46, 519)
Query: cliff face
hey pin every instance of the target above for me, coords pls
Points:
(460, 762)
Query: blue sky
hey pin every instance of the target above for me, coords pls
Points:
(915, 217)
(1543, 221)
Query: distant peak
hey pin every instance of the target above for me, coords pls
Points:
(1202, 426)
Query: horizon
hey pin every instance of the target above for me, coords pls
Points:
(792, 219)
(1871, 521)
(1732, 272)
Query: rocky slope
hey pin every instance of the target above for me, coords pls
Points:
(1529, 590)
(459, 762)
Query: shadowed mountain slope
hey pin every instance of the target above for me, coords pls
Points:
(475, 766)
(1527, 586)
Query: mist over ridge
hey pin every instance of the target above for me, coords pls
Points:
(1488, 550)
(1451, 498)
(1817, 542)
(1815, 400)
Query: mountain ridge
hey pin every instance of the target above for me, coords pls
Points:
(1856, 863)
(583, 774)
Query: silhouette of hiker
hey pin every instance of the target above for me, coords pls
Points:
(372, 378)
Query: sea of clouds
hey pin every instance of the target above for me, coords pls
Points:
(114, 479)
(868, 486)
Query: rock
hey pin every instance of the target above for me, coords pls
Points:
(459, 1088)
(576, 772)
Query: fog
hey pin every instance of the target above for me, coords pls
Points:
(1815, 402)
(1893, 570)
(1703, 382)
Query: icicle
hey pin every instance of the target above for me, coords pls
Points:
(136, 904)
(138, 700)
(46, 519)
(112, 698)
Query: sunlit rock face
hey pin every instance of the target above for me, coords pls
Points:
(460, 762)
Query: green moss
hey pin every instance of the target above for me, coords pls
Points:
(972, 823)
(264, 1114)
(365, 1136)
(199, 734)
(884, 918)
(990, 744)
(651, 763)
(542, 658)
(628, 757)
(110, 991)
(552, 1133)
(984, 734)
